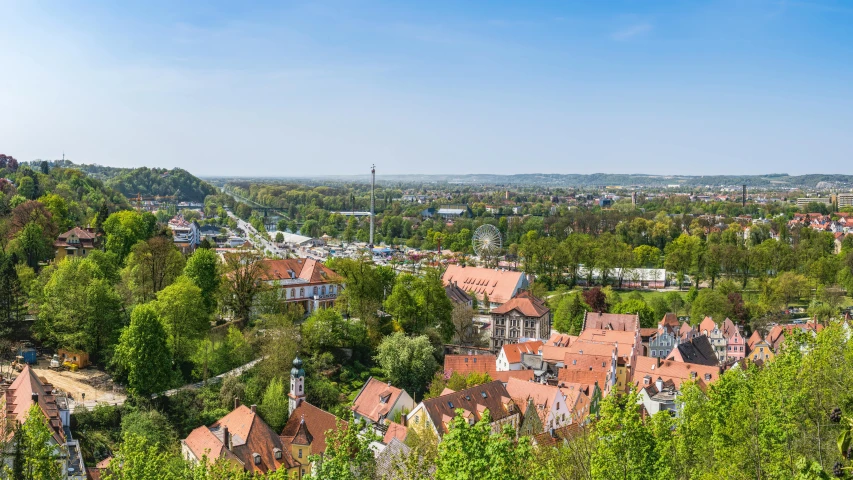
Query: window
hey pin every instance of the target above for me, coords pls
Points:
(450, 404)
(484, 394)
(323, 290)
(257, 458)
(302, 292)
(315, 290)
(277, 452)
(654, 353)
(300, 453)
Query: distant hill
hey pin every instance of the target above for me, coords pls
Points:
(148, 181)
(773, 180)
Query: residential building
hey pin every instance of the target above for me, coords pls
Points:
(658, 396)
(845, 200)
(687, 332)
(27, 390)
(437, 413)
(606, 367)
(735, 343)
(698, 350)
(379, 402)
(666, 337)
(499, 285)
(544, 407)
(522, 317)
(715, 334)
(186, 235)
(647, 370)
(243, 439)
(302, 281)
(509, 357)
(77, 242)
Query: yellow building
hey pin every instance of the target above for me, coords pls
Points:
(76, 242)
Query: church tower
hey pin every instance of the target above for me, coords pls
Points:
(297, 384)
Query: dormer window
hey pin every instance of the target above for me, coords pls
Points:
(450, 404)
(257, 458)
(277, 453)
(484, 394)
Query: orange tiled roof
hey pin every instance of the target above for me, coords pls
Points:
(376, 399)
(395, 430)
(678, 372)
(19, 399)
(465, 364)
(588, 363)
(499, 285)
(525, 303)
(307, 269)
(513, 351)
(561, 340)
(317, 421)
(611, 321)
(585, 378)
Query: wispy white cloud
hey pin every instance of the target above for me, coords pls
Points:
(632, 32)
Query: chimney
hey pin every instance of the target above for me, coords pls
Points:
(254, 408)
(226, 438)
(659, 384)
(236, 402)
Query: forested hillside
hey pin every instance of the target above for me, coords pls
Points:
(146, 181)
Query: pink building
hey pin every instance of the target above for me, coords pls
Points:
(735, 343)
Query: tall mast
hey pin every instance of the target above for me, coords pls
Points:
(372, 200)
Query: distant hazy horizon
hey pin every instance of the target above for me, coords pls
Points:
(276, 89)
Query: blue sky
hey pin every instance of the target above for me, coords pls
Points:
(275, 88)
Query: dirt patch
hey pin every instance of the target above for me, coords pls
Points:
(97, 385)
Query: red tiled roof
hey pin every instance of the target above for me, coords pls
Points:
(525, 303)
(561, 340)
(248, 435)
(623, 322)
(499, 285)
(395, 430)
(306, 269)
(19, 399)
(513, 351)
(317, 421)
(670, 320)
(585, 378)
(376, 399)
(553, 354)
(678, 372)
(588, 363)
(465, 364)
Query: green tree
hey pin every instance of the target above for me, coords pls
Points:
(181, 309)
(152, 265)
(473, 452)
(58, 207)
(568, 317)
(682, 255)
(78, 308)
(274, 406)
(142, 353)
(124, 229)
(137, 459)
(625, 447)
(38, 455)
(648, 318)
(151, 425)
(32, 245)
(27, 188)
(13, 300)
(348, 455)
(408, 362)
(710, 303)
(244, 270)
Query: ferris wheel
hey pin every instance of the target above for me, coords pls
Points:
(487, 241)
